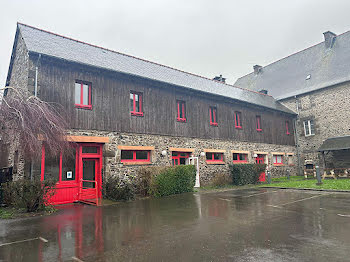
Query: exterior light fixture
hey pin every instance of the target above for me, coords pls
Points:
(202, 153)
(164, 153)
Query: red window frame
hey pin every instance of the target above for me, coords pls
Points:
(177, 155)
(258, 124)
(133, 111)
(211, 158)
(238, 118)
(213, 116)
(134, 159)
(275, 160)
(81, 105)
(244, 159)
(287, 128)
(181, 109)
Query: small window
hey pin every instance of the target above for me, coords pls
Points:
(215, 157)
(213, 116)
(287, 128)
(258, 123)
(135, 156)
(136, 104)
(238, 120)
(83, 95)
(90, 150)
(309, 128)
(240, 158)
(181, 111)
(290, 160)
(278, 159)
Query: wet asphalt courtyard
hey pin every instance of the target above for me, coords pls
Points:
(237, 225)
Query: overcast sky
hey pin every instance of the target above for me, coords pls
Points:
(205, 37)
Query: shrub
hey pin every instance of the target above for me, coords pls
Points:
(31, 195)
(173, 180)
(115, 189)
(220, 179)
(144, 181)
(243, 174)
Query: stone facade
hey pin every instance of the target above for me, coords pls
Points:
(329, 109)
(113, 166)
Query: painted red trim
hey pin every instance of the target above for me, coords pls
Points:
(212, 157)
(238, 123)
(287, 128)
(81, 105)
(239, 160)
(275, 160)
(42, 168)
(258, 124)
(134, 159)
(60, 170)
(178, 157)
(181, 110)
(133, 111)
(212, 116)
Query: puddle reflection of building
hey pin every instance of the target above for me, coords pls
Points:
(79, 234)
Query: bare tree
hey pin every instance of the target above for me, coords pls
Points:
(32, 121)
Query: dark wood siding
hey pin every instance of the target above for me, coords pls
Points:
(111, 109)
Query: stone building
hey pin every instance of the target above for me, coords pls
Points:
(126, 113)
(314, 83)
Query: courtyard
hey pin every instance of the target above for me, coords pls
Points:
(236, 225)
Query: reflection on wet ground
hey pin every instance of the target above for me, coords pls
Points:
(241, 225)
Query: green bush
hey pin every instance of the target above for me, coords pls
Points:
(173, 180)
(220, 179)
(32, 195)
(115, 189)
(243, 174)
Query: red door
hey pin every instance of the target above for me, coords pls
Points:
(260, 159)
(78, 173)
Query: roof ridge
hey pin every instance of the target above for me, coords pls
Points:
(296, 52)
(145, 60)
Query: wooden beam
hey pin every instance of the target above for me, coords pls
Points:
(239, 152)
(88, 139)
(214, 150)
(145, 148)
(177, 149)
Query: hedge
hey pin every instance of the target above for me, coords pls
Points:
(243, 174)
(173, 180)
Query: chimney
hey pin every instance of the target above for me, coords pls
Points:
(263, 91)
(220, 79)
(329, 39)
(257, 69)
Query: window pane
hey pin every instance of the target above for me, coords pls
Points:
(174, 154)
(312, 130)
(208, 156)
(89, 173)
(235, 156)
(217, 156)
(131, 102)
(68, 165)
(143, 155)
(182, 161)
(77, 93)
(127, 154)
(90, 149)
(52, 167)
(85, 95)
(306, 127)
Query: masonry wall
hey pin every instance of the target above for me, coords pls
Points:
(329, 108)
(114, 167)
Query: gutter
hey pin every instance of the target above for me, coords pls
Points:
(296, 137)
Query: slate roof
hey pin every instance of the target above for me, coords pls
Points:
(53, 45)
(335, 143)
(287, 76)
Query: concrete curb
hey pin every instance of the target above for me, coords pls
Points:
(309, 189)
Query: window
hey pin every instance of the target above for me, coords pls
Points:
(238, 120)
(258, 123)
(277, 159)
(287, 128)
(213, 116)
(309, 127)
(214, 157)
(240, 158)
(180, 158)
(136, 104)
(83, 95)
(290, 160)
(181, 111)
(135, 156)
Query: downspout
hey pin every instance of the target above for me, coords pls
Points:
(296, 137)
(35, 94)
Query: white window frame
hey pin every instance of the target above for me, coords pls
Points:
(307, 127)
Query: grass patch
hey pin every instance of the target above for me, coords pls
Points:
(10, 212)
(338, 184)
(284, 179)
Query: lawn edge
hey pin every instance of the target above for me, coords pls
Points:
(308, 189)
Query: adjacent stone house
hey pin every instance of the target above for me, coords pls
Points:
(126, 113)
(314, 83)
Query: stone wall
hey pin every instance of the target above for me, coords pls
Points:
(329, 108)
(113, 165)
